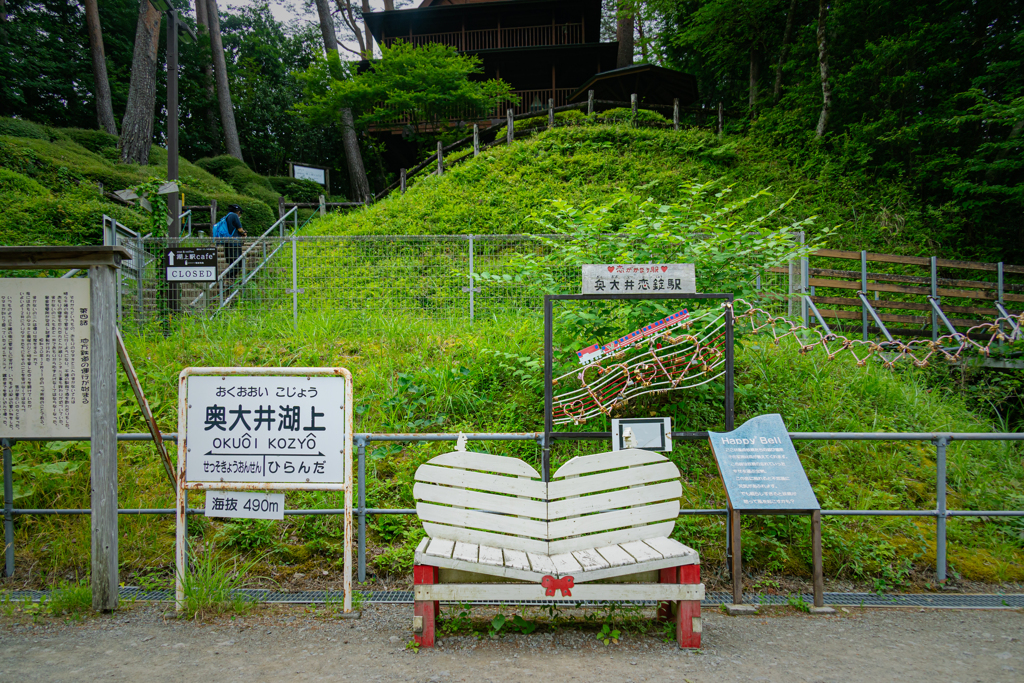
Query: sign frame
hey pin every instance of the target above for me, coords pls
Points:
(181, 535)
(682, 279)
(325, 169)
(204, 251)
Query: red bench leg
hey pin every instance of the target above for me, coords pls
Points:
(426, 609)
(688, 624)
(669, 575)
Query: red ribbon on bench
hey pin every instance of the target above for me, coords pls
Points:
(552, 584)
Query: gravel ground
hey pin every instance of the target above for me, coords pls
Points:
(285, 643)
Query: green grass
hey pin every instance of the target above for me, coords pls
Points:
(209, 586)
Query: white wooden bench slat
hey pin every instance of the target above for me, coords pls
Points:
(485, 462)
(610, 538)
(566, 564)
(491, 555)
(585, 464)
(612, 499)
(481, 501)
(422, 547)
(473, 519)
(641, 551)
(541, 563)
(516, 559)
(669, 547)
(616, 479)
(590, 560)
(494, 483)
(440, 547)
(589, 591)
(466, 552)
(616, 556)
(616, 519)
(455, 533)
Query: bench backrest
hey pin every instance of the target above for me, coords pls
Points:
(592, 501)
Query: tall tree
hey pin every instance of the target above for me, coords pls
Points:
(104, 109)
(624, 29)
(220, 70)
(137, 125)
(784, 51)
(826, 86)
(203, 20)
(359, 183)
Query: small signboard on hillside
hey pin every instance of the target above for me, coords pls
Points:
(760, 468)
(633, 278)
(190, 264)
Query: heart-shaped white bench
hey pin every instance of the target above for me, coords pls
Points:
(601, 517)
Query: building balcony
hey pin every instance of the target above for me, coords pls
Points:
(498, 38)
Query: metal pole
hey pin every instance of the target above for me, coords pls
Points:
(675, 113)
(471, 288)
(8, 506)
(632, 107)
(173, 199)
(737, 559)
(476, 140)
(729, 372)
(940, 507)
(999, 292)
(864, 289)
(551, 113)
(401, 179)
(545, 457)
(819, 577)
(295, 285)
(510, 128)
(103, 458)
(361, 510)
(935, 295)
(805, 264)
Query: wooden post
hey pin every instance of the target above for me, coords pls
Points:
(737, 558)
(476, 140)
(819, 579)
(323, 206)
(688, 621)
(401, 179)
(669, 575)
(213, 215)
(510, 132)
(551, 113)
(280, 207)
(424, 611)
(103, 452)
(440, 159)
(721, 118)
(632, 105)
(675, 114)
(590, 102)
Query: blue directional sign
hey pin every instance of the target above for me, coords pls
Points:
(760, 468)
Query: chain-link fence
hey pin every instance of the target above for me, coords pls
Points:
(432, 277)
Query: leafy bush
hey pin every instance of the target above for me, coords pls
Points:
(625, 114)
(20, 128)
(92, 140)
(13, 183)
(396, 561)
(242, 178)
(296, 189)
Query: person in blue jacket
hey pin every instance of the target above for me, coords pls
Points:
(228, 230)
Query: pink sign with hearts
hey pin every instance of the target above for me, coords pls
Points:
(638, 278)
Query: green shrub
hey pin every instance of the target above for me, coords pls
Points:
(296, 189)
(242, 178)
(19, 128)
(93, 140)
(626, 114)
(13, 183)
(396, 561)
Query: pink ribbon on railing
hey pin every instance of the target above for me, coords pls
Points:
(552, 584)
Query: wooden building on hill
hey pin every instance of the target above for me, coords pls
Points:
(543, 48)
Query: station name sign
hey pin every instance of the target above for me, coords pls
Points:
(639, 278)
(760, 467)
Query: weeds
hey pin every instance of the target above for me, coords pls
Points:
(798, 602)
(73, 599)
(211, 586)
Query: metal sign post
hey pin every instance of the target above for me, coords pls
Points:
(263, 429)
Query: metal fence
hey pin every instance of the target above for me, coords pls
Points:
(432, 277)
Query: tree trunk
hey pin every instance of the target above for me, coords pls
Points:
(137, 125)
(366, 28)
(755, 72)
(389, 5)
(826, 87)
(786, 38)
(104, 109)
(220, 70)
(356, 171)
(203, 20)
(327, 26)
(624, 34)
(345, 10)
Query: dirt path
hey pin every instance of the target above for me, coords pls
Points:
(290, 644)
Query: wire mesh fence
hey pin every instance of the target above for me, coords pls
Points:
(429, 277)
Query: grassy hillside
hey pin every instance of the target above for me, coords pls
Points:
(49, 192)
(497, 192)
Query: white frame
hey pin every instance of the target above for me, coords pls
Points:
(181, 528)
(666, 432)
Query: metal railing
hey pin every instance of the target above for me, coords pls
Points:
(941, 513)
(497, 38)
